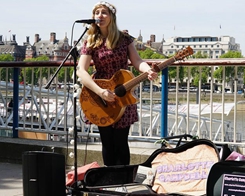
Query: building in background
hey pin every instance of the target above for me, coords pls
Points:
(11, 47)
(55, 49)
(213, 47)
(151, 44)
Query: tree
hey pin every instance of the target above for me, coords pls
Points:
(39, 58)
(204, 74)
(147, 54)
(172, 72)
(195, 70)
(229, 71)
(65, 77)
(150, 54)
(199, 55)
(46, 73)
(6, 57)
(36, 71)
(232, 54)
(4, 76)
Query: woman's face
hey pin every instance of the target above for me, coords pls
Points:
(102, 13)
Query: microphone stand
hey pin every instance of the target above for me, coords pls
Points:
(73, 53)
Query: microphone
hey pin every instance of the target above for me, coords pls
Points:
(88, 21)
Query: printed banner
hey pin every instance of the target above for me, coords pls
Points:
(185, 172)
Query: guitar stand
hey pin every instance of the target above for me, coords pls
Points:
(73, 52)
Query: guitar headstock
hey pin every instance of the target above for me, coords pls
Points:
(184, 53)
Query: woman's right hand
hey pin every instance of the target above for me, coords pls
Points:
(107, 95)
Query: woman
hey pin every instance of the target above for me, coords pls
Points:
(110, 49)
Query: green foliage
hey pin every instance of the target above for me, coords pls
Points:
(38, 72)
(218, 73)
(204, 78)
(28, 73)
(6, 74)
(39, 58)
(47, 72)
(147, 54)
(6, 57)
(229, 71)
(195, 72)
(199, 55)
(157, 56)
(150, 54)
(90, 70)
(172, 72)
(232, 54)
(65, 74)
(181, 74)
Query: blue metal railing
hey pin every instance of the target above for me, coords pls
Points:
(31, 113)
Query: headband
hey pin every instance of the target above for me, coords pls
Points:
(113, 10)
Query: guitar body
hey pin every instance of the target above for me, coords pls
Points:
(103, 113)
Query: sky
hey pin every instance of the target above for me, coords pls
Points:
(163, 18)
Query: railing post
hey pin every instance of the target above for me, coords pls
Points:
(164, 104)
(16, 102)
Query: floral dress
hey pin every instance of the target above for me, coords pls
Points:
(109, 61)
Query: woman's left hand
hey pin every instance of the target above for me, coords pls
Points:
(152, 75)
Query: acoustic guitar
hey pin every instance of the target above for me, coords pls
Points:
(123, 84)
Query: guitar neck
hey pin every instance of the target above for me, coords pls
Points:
(140, 78)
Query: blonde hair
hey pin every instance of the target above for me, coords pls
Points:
(95, 38)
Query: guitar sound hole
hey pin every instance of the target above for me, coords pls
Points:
(120, 91)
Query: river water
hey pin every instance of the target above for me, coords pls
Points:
(229, 119)
(229, 124)
(240, 123)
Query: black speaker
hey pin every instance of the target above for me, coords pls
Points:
(43, 174)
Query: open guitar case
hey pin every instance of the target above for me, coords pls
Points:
(120, 179)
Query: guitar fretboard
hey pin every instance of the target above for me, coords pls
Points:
(140, 78)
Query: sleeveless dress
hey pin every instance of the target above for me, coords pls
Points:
(107, 62)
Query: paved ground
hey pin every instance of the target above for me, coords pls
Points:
(11, 179)
(11, 149)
